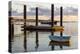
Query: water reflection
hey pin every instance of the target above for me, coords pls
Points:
(30, 44)
(37, 45)
(61, 44)
(25, 45)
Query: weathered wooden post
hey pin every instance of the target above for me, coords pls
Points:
(61, 21)
(36, 26)
(52, 20)
(25, 41)
(10, 37)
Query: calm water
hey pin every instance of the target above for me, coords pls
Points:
(70, 28)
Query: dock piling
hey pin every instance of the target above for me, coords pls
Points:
(25, 40)
(52, 18)
(10, 37)
(36, 26)
(52, 24)
(61, 22)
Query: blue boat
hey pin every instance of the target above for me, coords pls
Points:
(56, 38)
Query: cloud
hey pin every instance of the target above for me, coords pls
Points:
(70, 11)
(47, 12)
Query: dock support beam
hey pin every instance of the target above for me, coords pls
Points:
(52, 20)
(25, 40)
(36, 26)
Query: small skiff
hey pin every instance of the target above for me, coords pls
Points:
(63, 38)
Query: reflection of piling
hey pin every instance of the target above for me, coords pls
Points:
(61, 21)
(12, 28)
(25, 41)
(36, 25)
(52, 20)
(10, 45)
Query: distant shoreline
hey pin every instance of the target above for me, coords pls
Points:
(69, 18)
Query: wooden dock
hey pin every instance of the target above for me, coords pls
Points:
(44, 28)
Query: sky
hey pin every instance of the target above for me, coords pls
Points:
(44, 9)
